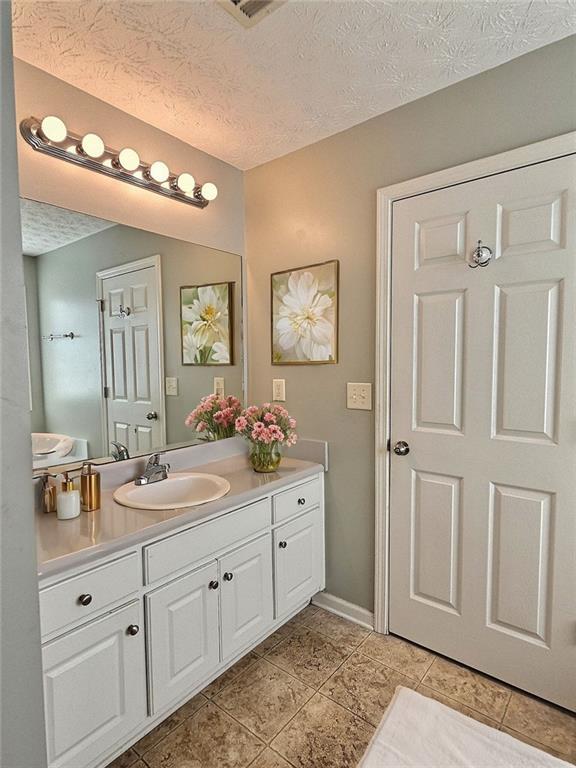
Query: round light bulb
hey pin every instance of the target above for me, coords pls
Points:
(186, 182)
(159, 171)
(53, 129)
(209, 191)
(129, 159)
(92, 145)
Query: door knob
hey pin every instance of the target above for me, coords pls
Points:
(401, 448)
(283, 544)
(228, 576)
(213, 584)
(133, 629)
(152, 416)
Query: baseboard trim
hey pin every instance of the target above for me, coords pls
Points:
(343, 608)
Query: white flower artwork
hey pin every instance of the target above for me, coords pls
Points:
(206, 321)
(305, 315)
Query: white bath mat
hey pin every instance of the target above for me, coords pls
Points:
(419, 732)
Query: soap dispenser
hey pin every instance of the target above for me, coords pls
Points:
(68, 500)
(89, 487)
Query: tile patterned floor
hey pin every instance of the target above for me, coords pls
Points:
(312, 693)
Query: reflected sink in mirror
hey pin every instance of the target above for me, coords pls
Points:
(48, 442)
(179, 490)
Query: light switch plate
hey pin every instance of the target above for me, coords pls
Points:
(279, 390)
(171, 385)
(359, 396)
(219, 386)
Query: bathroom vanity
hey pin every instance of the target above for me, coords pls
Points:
(142, 609)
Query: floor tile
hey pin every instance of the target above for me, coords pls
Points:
(310, 657)
(208, 739)
(453, 704)
(323, 735)
(231, 674)
(305, 613)
(264, 698)
(127, 759)
(410, 660)
(269, 759)
(542, 722)
(468, 687)
(272, 640)
(543, 747)
(344, 632)
(364, 686)
(171, 722)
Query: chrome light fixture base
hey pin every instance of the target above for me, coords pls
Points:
(107, 164)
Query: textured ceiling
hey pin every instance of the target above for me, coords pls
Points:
(45, 227)
(309, 70)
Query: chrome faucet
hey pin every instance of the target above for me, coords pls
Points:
(154, 471)
(119, 451)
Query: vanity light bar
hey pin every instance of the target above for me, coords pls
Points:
(51, 137)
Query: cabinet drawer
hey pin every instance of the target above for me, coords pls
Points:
(89, 593)
(290, 503)
(184, 549)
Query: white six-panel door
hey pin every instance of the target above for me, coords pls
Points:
(134, 376)
(482, 508)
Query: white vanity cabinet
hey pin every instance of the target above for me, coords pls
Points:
(246, 602)
(183, 637)
(94, 687)
(132, 636)
(298, 565)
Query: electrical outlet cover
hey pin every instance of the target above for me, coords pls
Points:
(279, 390)
(359, 396)
(171, 386)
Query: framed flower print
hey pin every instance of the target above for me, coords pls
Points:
(305, 315)
(206, 323)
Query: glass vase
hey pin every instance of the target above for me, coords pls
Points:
(265, 458)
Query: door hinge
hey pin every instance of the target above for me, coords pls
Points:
(100, 304)
(106, 391)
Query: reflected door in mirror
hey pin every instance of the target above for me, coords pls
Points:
(132, 360)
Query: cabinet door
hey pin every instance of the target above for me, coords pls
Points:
(94, 687)
(182, 623)
(246, 596)
(298, 561)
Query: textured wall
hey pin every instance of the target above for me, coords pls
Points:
(220, 225)
(67, 301)
(320, 203)
(22, 743)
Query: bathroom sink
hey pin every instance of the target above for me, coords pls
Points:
(48, 442)
(180, 489)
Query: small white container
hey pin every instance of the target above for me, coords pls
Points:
(67, 500)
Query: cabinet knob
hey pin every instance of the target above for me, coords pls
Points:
(283, 544)
(213, 585)
(85, 599)
(228, 576)
(133, 629)
(301, 501)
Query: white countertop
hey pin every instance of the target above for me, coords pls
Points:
(63, 544)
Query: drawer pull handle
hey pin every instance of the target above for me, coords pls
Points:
(228, 576)
(133, 629)
(213, 585)
(283, 544)
(301, 501)
(85, 599)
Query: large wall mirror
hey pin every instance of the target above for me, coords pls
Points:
(127, 330)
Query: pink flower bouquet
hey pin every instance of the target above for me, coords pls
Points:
(214, 417)
(267, 428)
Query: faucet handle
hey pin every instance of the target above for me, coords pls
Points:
(154, 460)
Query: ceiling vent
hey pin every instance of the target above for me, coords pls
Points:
(250, 12)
